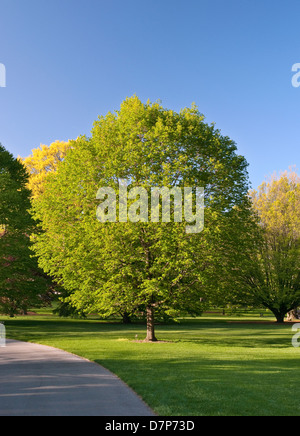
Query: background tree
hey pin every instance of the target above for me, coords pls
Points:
(22, 284)
(129, 267)
(43, 161)
(265, 269)
(276, 284)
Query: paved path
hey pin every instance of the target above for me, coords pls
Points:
(36, 380)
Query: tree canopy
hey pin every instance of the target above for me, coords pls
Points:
(275, 282)
(143, 266)
(44, 160)
(260, 261)
(21, 282)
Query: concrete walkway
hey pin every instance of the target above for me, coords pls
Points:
(36, 380)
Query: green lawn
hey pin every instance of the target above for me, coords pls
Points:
(210, 366)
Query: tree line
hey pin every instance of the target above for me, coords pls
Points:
(246, 255)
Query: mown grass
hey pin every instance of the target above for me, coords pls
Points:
(208, 366)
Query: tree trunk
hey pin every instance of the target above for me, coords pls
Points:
(126, 318)
(280, 314)
(150, 325)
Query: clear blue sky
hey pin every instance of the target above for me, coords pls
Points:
(68, 61)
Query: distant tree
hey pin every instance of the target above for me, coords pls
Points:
(276, 284)
(43, 161)
(22, 284)
(127, 267)
(265, 271)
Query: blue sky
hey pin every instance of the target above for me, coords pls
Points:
(68, 61)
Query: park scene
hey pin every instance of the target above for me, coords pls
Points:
(150, 266)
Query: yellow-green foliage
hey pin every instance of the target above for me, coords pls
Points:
(42, 162)
(277, 204)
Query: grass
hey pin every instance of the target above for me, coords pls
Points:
(210, 366)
